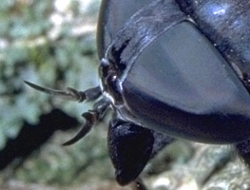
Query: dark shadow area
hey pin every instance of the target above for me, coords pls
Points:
(32, 137)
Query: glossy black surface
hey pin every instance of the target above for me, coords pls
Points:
(113, 15)
(139, 31)
(227, 24)
(164, 73)
(186, 89)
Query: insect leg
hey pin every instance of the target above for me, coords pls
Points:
(91, 117)
(70, 93)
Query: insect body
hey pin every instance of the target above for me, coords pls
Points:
(164, 79)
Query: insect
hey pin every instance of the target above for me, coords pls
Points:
(169, 69)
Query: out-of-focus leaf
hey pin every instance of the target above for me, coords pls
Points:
(29, 53)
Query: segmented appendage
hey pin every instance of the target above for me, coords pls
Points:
(92, 117)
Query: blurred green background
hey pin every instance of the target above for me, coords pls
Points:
(51, 43)
(47, 43)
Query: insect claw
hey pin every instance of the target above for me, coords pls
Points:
(84, 131)
(90, 119)
(69, 94)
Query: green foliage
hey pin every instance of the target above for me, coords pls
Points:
(47, 45)
(33, 47)
(78, 164)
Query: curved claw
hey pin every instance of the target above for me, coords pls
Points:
(90, 120)
(69, 94)
(84, 130)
